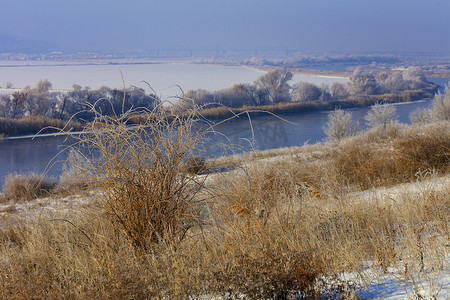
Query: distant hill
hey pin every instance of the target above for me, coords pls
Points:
(15, 44)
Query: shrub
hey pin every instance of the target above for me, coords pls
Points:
(140, 172)
(421, 116)
(364, 166)
(195, 164)
(423, 149)
(441, 106)
(381, 116)
(72, 178)
(340, 125)
(259, 209)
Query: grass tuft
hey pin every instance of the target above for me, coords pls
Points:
(25, 187)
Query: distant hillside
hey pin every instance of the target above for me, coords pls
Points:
(15, 44)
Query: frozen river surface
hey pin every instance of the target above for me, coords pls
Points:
(162, 77)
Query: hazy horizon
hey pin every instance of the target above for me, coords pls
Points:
(319, 25)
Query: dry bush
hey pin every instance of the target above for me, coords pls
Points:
(394, 156)
(421, 116)
(24, 187)
(80, 258)
(364, 166)
(424, 148)
(196, 165)
(141, 173)
(265, 218)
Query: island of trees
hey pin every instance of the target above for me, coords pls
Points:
(272, 92)
(28, 110)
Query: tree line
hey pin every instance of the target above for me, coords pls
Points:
(274, 87)
(271, 88)
(76, 103)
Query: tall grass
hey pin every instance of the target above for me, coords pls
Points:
(25, 187)
(33, 125)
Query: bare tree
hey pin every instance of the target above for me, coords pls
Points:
(76, 87)
(251, 91)
(362, 84)
(305, 91)
(337, 90)
(43, 86)
(200, 96)
(16, 103)
(275, 84)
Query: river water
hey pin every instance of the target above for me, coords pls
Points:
(48, 154)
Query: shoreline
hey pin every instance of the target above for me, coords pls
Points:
(305, 72)
(41, 135)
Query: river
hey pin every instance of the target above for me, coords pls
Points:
(46, 154)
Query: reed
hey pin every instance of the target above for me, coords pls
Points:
(25, 187)
(33, 125)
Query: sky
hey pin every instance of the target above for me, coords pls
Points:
(349, 26)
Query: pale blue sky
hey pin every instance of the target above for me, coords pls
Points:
(324, 25)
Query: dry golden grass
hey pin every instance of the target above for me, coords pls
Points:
(24, 187)
(34, 124)
(277, 226)
(385, 158)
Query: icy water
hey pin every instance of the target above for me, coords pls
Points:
(165, 79)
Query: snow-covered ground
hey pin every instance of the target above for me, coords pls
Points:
(394, 285)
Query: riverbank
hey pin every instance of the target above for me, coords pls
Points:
(308, 72)
(28, 127)
(364, 216)
(220, 112)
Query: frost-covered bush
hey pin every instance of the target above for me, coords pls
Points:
(340, 125)
(381, 116)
